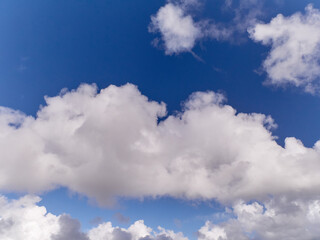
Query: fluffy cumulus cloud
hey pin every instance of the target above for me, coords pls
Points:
(137, 231)
(110, 143)
(275, 219)
(295, 49)
(25, 219)
(179, 31)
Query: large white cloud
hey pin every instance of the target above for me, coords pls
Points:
(295, 53)
(110, 144)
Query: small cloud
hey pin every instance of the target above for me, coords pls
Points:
(178, 30)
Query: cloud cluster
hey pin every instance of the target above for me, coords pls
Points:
(25, 219)
(111, 144)
(137, 231)
(277, 218)
(180, 32)
(295, 53)
(294, 40)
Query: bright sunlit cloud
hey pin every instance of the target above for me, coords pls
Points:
(295, 53)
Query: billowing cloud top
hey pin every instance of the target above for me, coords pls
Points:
(110, 144)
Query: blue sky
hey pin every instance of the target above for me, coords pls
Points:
(47, 46)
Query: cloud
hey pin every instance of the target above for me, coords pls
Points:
(178, 30)
(25, 219)
(137, 231)
(88, 141)
(208, 232)
(69, 229)
(275, 219)
(295, 49)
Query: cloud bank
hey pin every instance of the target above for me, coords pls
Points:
(277, 218)
(25, 219)
(111, 144)
(295, 49)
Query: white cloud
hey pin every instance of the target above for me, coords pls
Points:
(275, 219)
(211, 232)
(294, 56)
(137, 231)
(25, 219)
(178, 31)
(109, 144)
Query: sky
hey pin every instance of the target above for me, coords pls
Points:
(159, 120)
